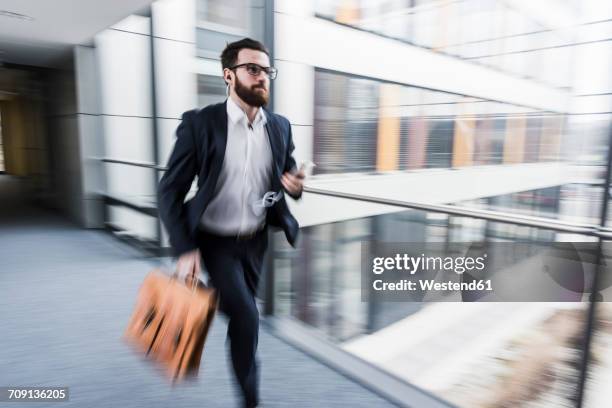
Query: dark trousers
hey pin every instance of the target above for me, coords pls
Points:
(234, 267)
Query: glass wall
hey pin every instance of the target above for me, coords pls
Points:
(488, 32)
(211, 89)
(346, 118)
(575, 203)
(221, 22)
(365, 125)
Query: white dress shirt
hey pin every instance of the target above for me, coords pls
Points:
(245, 176)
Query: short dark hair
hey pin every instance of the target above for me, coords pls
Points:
(230, 53)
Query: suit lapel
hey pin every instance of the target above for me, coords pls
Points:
(274, 137)
(213, 157)
(220, 140)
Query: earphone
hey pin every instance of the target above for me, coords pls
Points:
(227, 84)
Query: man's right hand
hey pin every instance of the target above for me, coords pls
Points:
(188, 265)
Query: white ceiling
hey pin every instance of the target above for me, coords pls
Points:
(55, 26)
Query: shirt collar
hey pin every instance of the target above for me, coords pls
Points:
(236, 114)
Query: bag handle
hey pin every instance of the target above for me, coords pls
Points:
(192, 278)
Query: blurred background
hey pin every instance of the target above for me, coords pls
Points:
(428, 121)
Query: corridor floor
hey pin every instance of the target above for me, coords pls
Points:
(65, 297)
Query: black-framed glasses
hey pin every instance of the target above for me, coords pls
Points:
(255, 69)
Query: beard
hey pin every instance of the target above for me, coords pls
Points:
(250, 95)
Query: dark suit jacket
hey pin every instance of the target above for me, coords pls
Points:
(199, 151)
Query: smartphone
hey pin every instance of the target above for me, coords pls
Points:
(307, 166)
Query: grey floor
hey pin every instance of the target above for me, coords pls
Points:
(65, 297)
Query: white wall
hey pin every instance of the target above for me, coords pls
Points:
(174, 22)
(124, 62)
(126, 100)
(430, 186)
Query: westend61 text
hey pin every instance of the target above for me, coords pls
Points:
(404, 284)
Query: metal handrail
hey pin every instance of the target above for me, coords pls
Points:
(496, 216)
(143, 209)
(528, 221)
(135, 163)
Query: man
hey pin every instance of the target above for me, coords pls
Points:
(242, 156)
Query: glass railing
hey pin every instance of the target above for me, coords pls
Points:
(504, 352)
(130, 203)
(574, 202)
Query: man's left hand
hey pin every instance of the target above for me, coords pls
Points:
(293, 183)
